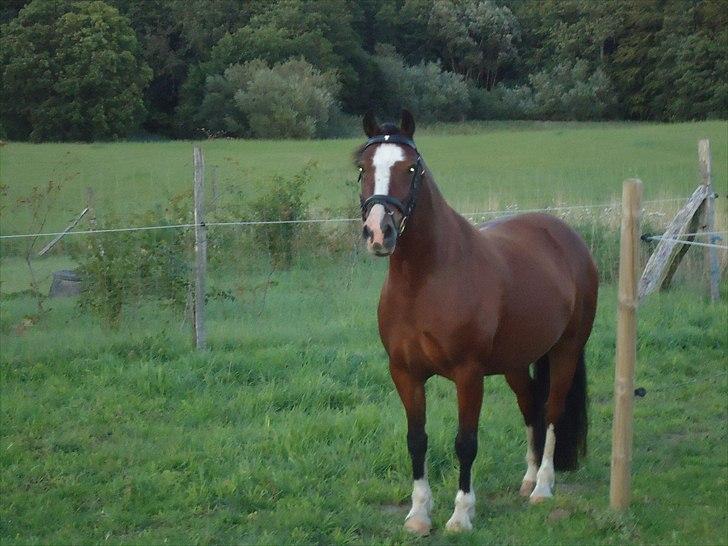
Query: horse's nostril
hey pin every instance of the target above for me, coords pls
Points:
(366, 233)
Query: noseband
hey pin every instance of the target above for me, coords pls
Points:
(388, 201)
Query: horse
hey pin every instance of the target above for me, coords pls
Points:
(465, 302)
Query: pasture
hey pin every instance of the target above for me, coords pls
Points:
(479, 166)
(288, 430)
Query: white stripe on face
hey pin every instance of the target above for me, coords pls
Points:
(384, 159)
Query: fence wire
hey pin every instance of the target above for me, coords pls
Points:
(507, 211)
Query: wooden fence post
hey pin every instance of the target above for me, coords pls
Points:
(200, 249)
(619, 486)
(707, 220)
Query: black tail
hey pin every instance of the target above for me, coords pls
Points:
(571, 430)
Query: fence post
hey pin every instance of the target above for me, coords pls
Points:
(619, 486)
(707, 220)
(200, 249)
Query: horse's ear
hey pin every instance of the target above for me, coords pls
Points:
(371, 126)
(407, 126)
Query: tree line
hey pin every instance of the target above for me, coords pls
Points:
(105, 69)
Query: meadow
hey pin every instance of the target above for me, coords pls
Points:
(479, 167)
(287, 430)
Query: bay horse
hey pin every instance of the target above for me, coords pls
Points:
(464, 302)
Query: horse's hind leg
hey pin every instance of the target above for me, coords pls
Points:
(412, 393)
(524, 388)
(565, 409)
(469, 384)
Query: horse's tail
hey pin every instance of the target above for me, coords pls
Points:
(571, 430)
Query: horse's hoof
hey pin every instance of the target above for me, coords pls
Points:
(418, 526)
(458, 525)
(540, 494)
(527, 487)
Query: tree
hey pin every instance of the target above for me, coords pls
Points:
(175, 37)
(70, 71)
(319, 31)
(478, 38)
(288, 100)
(429, 92)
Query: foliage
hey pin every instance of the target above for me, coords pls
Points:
(318, 32)
(569, 91)
(478, 38)
(70, 71)
(286, 200)
(78, 70)
(121, 270)
(175, 35)
(431, 93)
(289, 100)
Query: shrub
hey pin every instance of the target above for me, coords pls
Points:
(501, 103)
(126, 266)
(289, 100)
(431, 93)
(569, 92)
(286, 200)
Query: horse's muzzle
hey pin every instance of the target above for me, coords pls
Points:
(379, 231)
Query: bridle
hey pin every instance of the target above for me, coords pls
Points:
(407, 209)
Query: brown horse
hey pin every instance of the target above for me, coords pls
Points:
(465, 302)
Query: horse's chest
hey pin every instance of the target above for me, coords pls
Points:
(431, 338)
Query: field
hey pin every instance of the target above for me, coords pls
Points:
(479, 167)
(288, 430)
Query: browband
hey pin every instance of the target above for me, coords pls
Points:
(391, 139)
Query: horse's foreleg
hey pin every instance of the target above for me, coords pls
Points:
(521, 384)
(412, 393)
(470, 397)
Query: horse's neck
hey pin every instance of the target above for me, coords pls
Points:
(433, 236)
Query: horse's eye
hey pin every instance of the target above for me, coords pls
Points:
(412, 169)
(361, 169)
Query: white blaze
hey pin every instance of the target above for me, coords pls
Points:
(384, 159)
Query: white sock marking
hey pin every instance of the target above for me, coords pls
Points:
(464, 512)
(421, 500)
(546, 474)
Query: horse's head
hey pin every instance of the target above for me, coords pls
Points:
(390, 172)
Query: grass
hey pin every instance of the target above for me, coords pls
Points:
(288, 429)
(483, 166)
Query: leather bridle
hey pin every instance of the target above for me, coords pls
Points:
(387, 201)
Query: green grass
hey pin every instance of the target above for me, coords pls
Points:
(288, 429)
(482, 166)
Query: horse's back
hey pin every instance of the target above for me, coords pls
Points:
(527, 238)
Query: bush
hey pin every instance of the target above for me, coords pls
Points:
(289, 100)
(286, 200)
(431, 93)
(568, 92)
(70, 71)
(134, 264)
(500, 103)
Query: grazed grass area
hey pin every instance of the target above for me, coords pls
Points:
(288, 429)
(479, 167)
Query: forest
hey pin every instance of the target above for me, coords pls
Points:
(88, 70)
